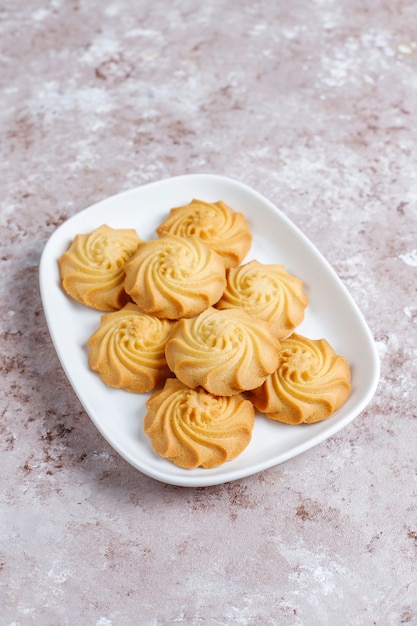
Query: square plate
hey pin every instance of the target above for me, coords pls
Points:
(331, 313)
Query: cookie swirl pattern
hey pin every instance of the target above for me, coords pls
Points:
(175, 276)
(92, 269)
(218, 225)
(128, 349)
(225, 352)
(309, 384)
(266, 292)
(193, 428)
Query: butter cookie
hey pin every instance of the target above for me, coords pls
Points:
(225, 352)
(128, 349)
(267, 292)
(193, 428)
(175, 276)
(310, 383)
(226, 231)
(92, 269)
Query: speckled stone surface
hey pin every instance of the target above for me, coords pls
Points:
(312, 103)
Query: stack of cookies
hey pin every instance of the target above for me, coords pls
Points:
(212, 338)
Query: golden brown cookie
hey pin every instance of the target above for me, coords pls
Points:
(92, 269)
(267, 292)
(225, 352)
(193, 428)
(175, 276)
(309, 384)
(128, 349)
(218, 225)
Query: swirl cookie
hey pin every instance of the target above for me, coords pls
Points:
(175, 276)
(92, 269)
(193, 428)
(128, 349)
(219, 226)
(309, 384)
(267, 292)
(225, 352)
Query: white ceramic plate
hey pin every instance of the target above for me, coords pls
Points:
(331, 314)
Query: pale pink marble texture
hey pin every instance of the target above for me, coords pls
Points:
(314, 104)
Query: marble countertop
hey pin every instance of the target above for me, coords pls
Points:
(311, 103)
